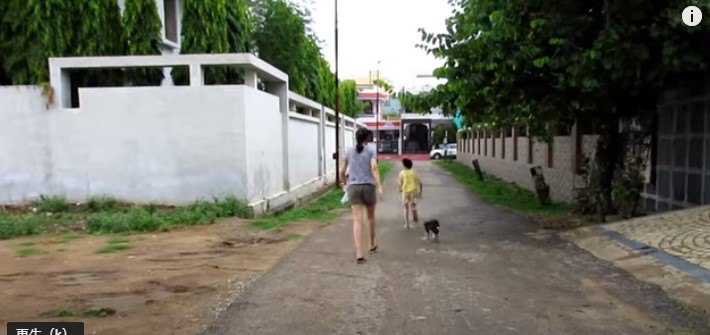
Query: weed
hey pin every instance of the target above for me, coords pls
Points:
(21, 225)
(99, 312)
(101, 204)
(27, 252)
(60, 313)
(113, 247)
(51, 204)
(69, 237)
(24, 244)
(294, 236)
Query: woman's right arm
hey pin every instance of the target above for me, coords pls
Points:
(342, 171)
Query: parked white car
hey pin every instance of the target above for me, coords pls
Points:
(449, 151)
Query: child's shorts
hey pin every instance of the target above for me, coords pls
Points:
(409, 198)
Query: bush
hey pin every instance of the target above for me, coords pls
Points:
(101, 204)
(151, 218)
(135, 219)
(51, 204)
(13, 226)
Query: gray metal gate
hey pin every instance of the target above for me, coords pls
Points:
(682, 176)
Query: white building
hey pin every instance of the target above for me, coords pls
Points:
(400, 132)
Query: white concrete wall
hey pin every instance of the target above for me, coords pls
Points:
(148, 144)
(264, 151)
(25, 164)
(170, 145)
(303, 144)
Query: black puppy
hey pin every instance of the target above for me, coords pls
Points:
(432, 228)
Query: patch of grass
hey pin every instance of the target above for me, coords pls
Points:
(499, 192)
(99, 312)
(69, 237)
(117, 240)
(27, 252)
(106, 215)
(24, 244)
(60, 313)
(113, 247)
(101, 203)
(317, 210)
(21, 225)
(51, 204)
(385, 167)
(294, 236)
(94, 312)
(320, 209)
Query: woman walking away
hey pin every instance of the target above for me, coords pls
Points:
(363, 187)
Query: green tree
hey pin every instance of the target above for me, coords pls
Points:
(442, 132)
(349, 104)
(281, 40)
(385, 85)
(143, 36)
(204, 30)
(4, 33)
(33, 31)
(545, 64)
(239, 26)
(97, 31)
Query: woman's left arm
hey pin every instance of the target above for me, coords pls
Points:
(376, 174)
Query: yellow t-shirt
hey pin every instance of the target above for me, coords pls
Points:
(409, 180)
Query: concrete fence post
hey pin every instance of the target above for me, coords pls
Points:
(576, 148)
(61, 84)
(531, 154)
(196, 77)
(251, 79)
(503, 134)
(281, 91)
(515, 143)
(321, 143)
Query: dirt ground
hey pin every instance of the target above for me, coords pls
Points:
(165, 283)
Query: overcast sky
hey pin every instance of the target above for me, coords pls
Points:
(372, 30)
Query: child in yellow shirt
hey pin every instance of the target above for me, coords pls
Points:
(411, 187)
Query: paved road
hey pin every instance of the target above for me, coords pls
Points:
(490, 273)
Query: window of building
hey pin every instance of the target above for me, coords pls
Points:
(171, 20)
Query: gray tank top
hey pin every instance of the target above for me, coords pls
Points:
(359, 171)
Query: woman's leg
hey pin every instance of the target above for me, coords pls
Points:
(371, 224)
(357, 229)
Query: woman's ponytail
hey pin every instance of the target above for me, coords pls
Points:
(361, 136)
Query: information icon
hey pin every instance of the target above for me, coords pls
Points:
(692, 16)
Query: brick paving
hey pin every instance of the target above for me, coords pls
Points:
(684, 234)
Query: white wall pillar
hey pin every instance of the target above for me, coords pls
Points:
(281, 91)
(251, 79)
(60, 81)
(196, 76)
(322, 159)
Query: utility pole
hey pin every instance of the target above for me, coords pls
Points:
(377, 112)
(337, 103)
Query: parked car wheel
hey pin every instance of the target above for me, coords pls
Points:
(437, 156)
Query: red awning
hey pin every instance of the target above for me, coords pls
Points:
(372, 95)
(393, 124)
